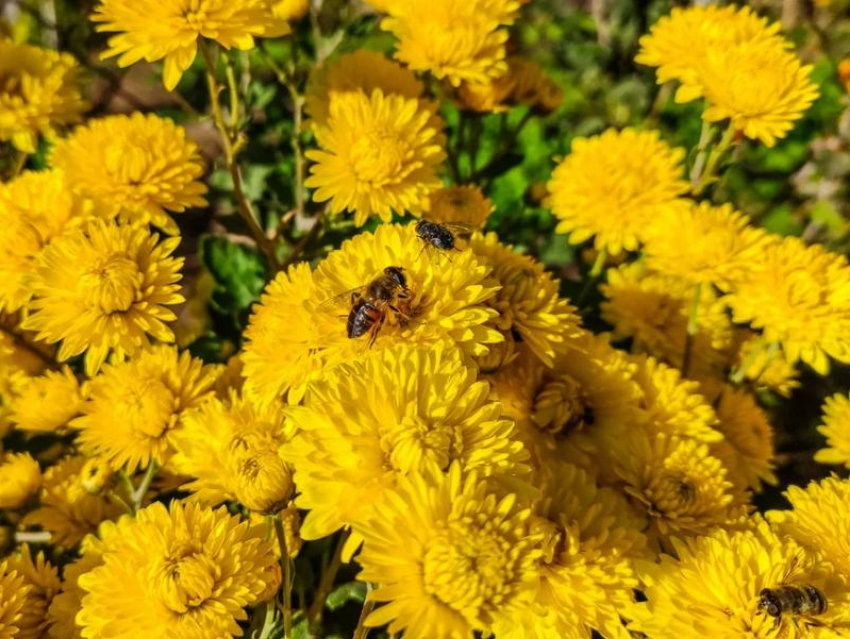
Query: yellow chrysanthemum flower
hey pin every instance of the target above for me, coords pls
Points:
(361, 70)
(679, 43)
(676, 483)
(104, 288)
(589, 398)
(819, 520)
(799, 296)
(66, 510)
(13, 594)
(524, 82)
(139, 167)
(761, 87)
(458, 41)
(747, 450)
(20, 479)
(42, 583)
(764, 367)
(39, 91)
(298, 333)
(703, 244)
(611, 186)
(379, 154)
(465, 205)
(15, 359)
(451, 557)
(97, 475)
(282, 340)
(400, 411)
(231, 450)
(169, 30)
(652, 310)
(836, 429)
(586, 578)
(528, 302)
(673, 405)
(35, 208)
(712, 588)
(133, 408)
(46, 403)
(186, 572)
(66, 604)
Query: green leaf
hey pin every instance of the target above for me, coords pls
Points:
(353, 591)
(239, 273)
(209, 348)
(301, 630)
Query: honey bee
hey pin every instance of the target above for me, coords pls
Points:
(386, 298)
(442, 237)
(803, 600)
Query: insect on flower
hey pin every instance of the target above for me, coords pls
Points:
(803, 601)
(386, 298)
(442, 237)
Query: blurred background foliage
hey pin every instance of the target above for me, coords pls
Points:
(799, 187)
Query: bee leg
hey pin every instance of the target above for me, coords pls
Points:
(373, 332)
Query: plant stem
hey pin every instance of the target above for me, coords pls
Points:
(138, 495)
(327, 581)
(23, 537)
(362, 631)
(691, 330)
(233, 142)
(709, 174)
(592, 276)
(268, 621)
(304, 242)
(286, 564)
(233, 91)
(706, 135)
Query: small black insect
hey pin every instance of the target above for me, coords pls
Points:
(442, 237)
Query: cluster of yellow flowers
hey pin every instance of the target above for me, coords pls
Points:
(425, 392)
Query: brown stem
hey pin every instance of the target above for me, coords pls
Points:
(303, 243)
(362, 630)
(286, 564)
(233, 142)
(327, 581)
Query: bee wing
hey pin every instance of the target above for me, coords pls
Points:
(341, 300)
(459, 229)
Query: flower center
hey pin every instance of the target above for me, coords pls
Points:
(187, 579)
(416, 443)
(196, 19)
(465, 569)
(561, 407)
(151, 408)
(128, 163)
(378, 158)
(112, 285)
(672, 493)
